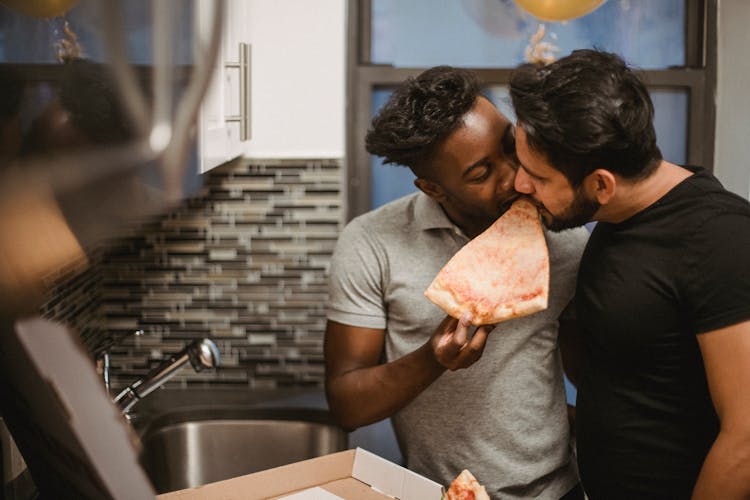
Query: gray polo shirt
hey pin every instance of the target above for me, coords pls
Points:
(504, 418)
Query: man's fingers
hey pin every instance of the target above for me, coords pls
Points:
(479, 339)
(462, 329)
(473, 349)
(446, 329)
(455, 349)
(453, 338)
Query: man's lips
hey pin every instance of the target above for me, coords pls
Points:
(504, 206)
(534, 202)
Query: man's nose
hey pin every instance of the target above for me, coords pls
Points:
(507, 181)
(523, 182)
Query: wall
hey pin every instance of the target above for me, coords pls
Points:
(298, 78)
(245, 263)
(732, 100)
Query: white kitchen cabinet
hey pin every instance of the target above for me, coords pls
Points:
(224, 120)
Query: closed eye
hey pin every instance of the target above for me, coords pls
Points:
(480, 173)
(532, 175)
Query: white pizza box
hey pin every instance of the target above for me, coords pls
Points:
(355, 474)
(72, 437)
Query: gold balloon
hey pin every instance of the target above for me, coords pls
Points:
(558, 10)
(40, 8)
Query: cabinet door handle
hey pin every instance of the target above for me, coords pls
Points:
(245, 103)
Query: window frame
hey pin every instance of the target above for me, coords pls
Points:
(698, 78)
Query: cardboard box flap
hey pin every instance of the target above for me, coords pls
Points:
(75, 441)
(351, 474)
(393, 480)
(275, 482)
(353, 488)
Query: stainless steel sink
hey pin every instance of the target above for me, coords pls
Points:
(190, 448)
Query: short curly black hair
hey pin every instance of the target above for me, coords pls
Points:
(420, 113)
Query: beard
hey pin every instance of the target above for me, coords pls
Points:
(580, 211)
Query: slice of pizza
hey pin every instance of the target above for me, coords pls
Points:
(501, 274)
(466, 487)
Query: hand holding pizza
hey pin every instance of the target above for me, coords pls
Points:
(452, 346)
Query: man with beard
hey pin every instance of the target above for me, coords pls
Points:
(663, 293)
(390, 352)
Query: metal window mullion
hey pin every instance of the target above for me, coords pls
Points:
(352, 110)
(359, 167)
(706, 121)
(678, 77)
(696, 129)
(694, 33)
(364, 26)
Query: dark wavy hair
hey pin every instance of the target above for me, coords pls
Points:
(586, 111)
(420, 113)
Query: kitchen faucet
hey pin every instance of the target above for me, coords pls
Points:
(201, 353)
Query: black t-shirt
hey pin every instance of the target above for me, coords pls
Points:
(646, 288)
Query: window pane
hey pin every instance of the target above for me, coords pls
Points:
(389, 182)
(670, 120)
(494, 33)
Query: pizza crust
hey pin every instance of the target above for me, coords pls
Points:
(501, 274)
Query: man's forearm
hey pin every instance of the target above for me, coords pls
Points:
(726, 471)
(366, 395)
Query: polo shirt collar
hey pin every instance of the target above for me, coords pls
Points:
(430, 215)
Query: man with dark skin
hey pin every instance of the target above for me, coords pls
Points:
(663, 293)
(458, 398)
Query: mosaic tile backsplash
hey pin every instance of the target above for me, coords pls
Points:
(244, 263)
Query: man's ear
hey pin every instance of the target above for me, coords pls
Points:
(431, 189)
(601, 184)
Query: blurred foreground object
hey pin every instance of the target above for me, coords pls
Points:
(35, 239)
(558, 10)
(108, 144)
(40, 8)
(75, 442)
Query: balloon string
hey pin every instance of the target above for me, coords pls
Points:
(539, 51)
(68, 47)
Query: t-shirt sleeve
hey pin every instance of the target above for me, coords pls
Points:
(566, 248)
(718, 289)
(355, 294)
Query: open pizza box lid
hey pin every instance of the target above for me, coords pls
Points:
(71, 436)
(351, 475)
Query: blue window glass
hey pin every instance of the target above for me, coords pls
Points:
(495, 33)
(670, 121)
